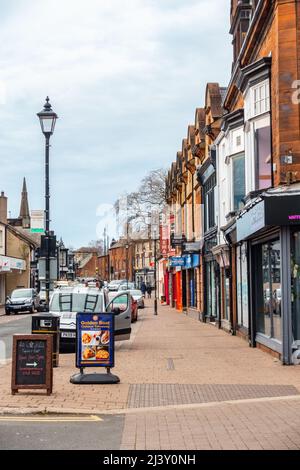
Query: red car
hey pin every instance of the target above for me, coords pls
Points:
(134, 305)
(134, 310)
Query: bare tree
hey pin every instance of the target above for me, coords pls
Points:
(152, 189)
(98, 245)
(138, 205)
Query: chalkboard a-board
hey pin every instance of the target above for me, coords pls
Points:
(32, 363)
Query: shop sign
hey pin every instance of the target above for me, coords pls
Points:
(251, 222)
(177, 240)
(282, 210)
(37, 221)
(195, 261)
(192, 246)
(192, 261)
(164, 240)
(17, 264)
(95, 340)
(177, 261)
(4, 264)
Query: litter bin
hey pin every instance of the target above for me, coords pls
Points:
(48, 324)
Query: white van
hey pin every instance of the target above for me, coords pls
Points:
(69, 301)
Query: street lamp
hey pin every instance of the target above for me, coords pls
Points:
(155, 271)
(47, 119)
(127, 263)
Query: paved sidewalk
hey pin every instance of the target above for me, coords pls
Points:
(184, 384)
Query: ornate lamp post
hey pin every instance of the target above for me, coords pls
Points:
(155, 238)
(47, 119)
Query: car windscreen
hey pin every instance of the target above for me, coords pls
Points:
(76, 302)
(18, 294)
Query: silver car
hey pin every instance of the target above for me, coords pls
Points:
(113, 286)
(68, 302)
(22, 300)
(138, 296)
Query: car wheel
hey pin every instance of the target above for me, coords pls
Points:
(7, 312)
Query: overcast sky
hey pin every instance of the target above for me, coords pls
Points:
(124, 76)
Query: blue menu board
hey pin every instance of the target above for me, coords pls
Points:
(95, 340)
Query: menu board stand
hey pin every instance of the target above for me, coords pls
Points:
(32, 363)
(95, 348)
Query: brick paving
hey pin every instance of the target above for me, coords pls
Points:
(152, 395)
(235, 426)
(195, 364)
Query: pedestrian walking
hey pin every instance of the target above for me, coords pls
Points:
(143, 288)
(149, 290)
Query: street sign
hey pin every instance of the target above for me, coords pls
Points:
(177, 261)
(32, 363)
(95, 340)
(37, 221)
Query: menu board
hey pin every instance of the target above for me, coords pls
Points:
(32, 362)
(95, 340)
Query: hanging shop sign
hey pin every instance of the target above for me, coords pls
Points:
(192, 247)
(95, 340)
(177, 261)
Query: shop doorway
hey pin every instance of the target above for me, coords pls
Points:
(184, 290)
(295, 274)
(268, 288)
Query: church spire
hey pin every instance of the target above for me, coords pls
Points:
(24, 207)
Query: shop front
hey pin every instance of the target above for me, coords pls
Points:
(222, 256)
(12, 275)
(145, 275)
(192, 280)
(211, 281)
(268, 237)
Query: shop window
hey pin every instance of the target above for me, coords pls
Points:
(238, 180)
(211, 290)
(209, 206)
(225, 294)
(192, 288)
(295, 272)
(269, 291)
(263, 178)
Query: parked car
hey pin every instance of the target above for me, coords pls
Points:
(138, 296)
(127, 286)
(70, 301)
(114, 285)
(119, 299)
(22, 300)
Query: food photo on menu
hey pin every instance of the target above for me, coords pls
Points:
(97, 353)
(93, 345)
(95, 338)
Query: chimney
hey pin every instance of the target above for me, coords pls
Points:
(3, 208)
